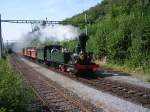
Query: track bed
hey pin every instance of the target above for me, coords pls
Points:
(127, 91)
(50, 94)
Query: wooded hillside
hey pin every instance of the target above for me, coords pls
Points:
(118, 30)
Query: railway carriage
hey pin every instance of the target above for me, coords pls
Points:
(33, 53)
(54, 56)
(40, 55)
(29, 52)
(24, 51)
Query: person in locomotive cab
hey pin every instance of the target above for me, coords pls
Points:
(64, 50)
(54, 50)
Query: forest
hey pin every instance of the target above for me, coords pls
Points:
(119, 30)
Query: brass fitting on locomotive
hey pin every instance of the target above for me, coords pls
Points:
(82, 55)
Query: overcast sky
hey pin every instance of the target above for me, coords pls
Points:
(38, 9)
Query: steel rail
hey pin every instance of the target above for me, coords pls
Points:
(43, 83)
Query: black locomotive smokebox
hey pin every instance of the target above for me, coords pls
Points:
(83, 39)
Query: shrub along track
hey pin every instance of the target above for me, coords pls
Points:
(129, 92)
(53, 99)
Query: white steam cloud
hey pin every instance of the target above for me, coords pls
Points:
(53, 33)
(60, 32)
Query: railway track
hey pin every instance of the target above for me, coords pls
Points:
(129, 92)
(138, 95)
(38, 106)
(52, 97)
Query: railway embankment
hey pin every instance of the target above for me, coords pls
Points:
(51, 94)
(137, 73)
(102, 99)
(15, 96)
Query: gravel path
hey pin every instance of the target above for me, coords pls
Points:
(123, 77)
(103, 100)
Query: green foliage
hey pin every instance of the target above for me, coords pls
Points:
(14, 95)
(4, 54)
(70, 44)
(119, 30)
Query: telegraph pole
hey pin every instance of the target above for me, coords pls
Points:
(0, 39)
(7, 45)
(85, 17)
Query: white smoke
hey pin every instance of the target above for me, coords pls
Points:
(53, 32)
(60, 32)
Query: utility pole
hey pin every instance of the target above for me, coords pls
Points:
(86, 30)
(0, 39)
(7, 45)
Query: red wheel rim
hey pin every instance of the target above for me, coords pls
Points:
(62, 68)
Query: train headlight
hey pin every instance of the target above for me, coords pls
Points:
(81, 55)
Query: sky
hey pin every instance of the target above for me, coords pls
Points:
(38, 9)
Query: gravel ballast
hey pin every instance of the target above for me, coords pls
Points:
(119, 76)
(103, 100)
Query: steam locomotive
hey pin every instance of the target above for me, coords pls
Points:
(78, 61)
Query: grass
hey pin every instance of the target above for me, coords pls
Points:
(138, 72)
(15, 96)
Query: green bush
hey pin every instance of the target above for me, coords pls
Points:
(119, 30)
(14, 94)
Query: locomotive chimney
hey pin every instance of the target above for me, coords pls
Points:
(82, 39)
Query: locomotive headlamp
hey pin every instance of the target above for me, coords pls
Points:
(81, 55)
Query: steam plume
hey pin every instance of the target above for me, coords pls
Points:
(41, 34)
